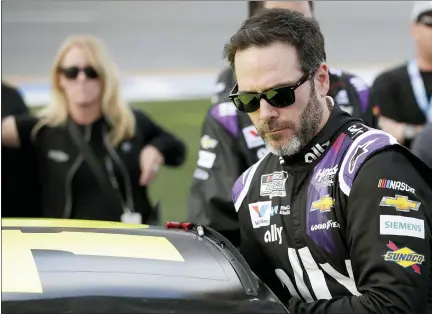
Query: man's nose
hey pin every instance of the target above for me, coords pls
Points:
(267, 111)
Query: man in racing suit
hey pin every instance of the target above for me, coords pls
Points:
(230, 144)
(337, 218)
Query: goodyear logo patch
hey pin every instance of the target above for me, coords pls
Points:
(404, 257)
(324, 204)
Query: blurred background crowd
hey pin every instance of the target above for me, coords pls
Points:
(108, 108)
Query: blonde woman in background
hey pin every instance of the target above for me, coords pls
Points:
(96, 155)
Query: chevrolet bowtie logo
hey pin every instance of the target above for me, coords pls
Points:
(400, 202)
(207, 142)
(324, 204)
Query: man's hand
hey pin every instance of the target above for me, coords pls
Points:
(151, 160)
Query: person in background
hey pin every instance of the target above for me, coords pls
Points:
(20, 179)
(422, 145)
(230, 143)
(96, 154)
(401, 98)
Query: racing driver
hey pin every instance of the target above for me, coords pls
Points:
(337, 217)
(230, 141)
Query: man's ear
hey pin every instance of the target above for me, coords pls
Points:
(322, 80)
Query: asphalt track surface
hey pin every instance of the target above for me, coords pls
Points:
(188, 35)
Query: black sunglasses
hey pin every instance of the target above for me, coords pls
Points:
(72, 72)
(278, 97)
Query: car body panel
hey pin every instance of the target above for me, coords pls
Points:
(81, 258)
(75, 266)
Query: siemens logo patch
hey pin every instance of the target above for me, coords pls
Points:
(402, 226)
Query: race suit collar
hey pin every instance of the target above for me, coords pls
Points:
(311, 154)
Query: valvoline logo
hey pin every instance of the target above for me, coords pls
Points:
(261, 209)
(404, 257)
(261, 212)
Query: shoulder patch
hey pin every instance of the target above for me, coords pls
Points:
(363, 146)
(355, 130)
(226, 115)
(242, 185)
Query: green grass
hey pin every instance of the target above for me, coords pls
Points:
(184, 119)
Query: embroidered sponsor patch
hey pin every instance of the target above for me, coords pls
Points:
(252, 137)
(206, 159)
(402, 226)
(260, 213)
(395, 185)
(273, 184)
(400, 202)
(404, 257)
(324, 204)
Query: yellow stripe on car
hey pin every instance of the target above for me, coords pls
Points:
(68, 223)
(19, 271)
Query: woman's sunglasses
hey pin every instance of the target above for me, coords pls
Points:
(73, 72)
(278, 97)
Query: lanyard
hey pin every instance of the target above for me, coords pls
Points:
(419, 89)
(113, 180)
(110, 168)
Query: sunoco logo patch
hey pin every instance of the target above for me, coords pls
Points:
(404, 257)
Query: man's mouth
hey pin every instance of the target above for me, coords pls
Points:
(275, 131)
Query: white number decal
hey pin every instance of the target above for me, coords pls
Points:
(315, 275)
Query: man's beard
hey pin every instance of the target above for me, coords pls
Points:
(302, 134)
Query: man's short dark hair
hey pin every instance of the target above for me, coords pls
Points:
(255, 6)
(280, 25)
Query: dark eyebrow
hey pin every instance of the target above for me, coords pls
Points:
(290, 83)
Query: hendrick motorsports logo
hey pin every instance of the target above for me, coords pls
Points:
(404, 257)
(325, 176)
(273, 184)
